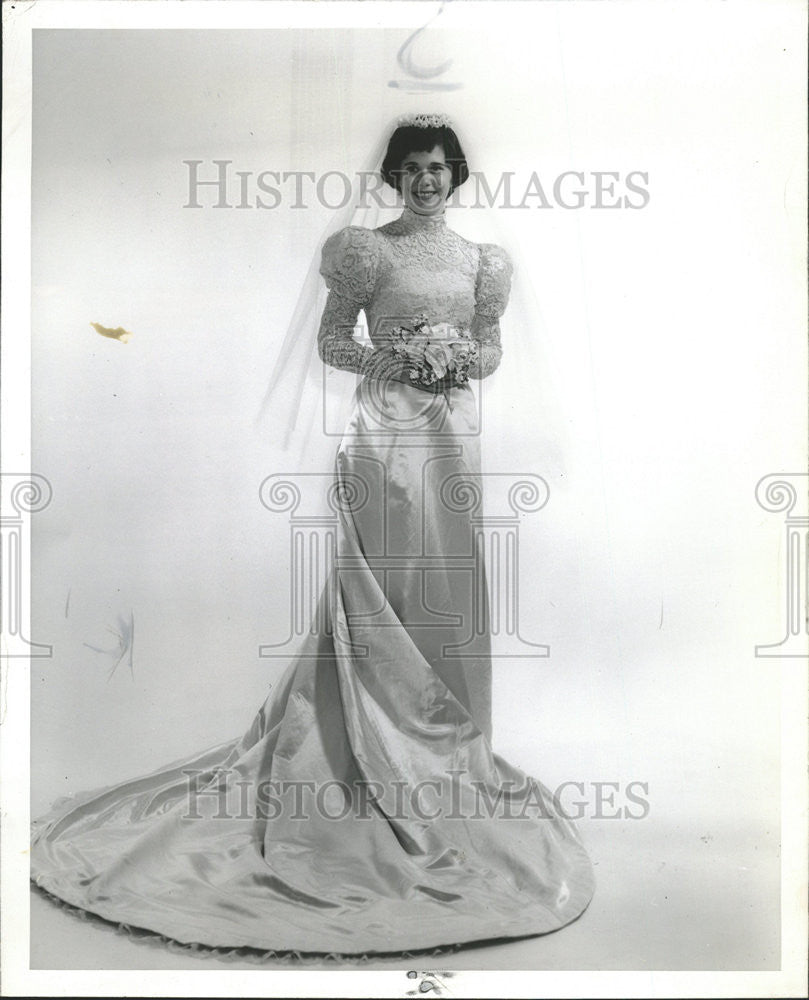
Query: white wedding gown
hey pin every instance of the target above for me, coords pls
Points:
(363, 811)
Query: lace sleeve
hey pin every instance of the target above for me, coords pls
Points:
(349, 265)
(491, 298)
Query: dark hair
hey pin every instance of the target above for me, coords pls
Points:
(415, 139)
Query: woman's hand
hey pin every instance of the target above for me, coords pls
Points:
(386, 365)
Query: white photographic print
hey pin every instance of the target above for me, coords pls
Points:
(404, 499)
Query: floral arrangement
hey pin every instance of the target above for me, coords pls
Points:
(438, 356)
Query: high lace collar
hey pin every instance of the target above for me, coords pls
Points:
(411, 221)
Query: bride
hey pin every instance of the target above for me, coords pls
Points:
(363, 811)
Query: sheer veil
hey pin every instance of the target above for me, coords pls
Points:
(306, 404)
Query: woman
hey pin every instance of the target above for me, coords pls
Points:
(363, 811)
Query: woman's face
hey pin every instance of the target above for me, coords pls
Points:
(426, 181)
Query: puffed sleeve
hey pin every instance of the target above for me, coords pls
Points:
(349, 265)
(492, 289)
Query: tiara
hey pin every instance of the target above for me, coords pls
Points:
(425, 121)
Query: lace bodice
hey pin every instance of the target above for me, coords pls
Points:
(411, 266)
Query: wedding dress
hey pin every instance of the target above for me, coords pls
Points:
(363, 811)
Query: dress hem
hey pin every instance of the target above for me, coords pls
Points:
(248, 953)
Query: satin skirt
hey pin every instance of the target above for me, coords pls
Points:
(363, 811)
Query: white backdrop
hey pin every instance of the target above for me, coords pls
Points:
(676, 337)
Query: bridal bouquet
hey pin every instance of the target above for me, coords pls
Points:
(437, 356)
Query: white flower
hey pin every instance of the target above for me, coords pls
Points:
(416, 346)
(461, 352)
(437, 356)
(442, 331)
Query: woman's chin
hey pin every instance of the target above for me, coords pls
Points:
(427, 206)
